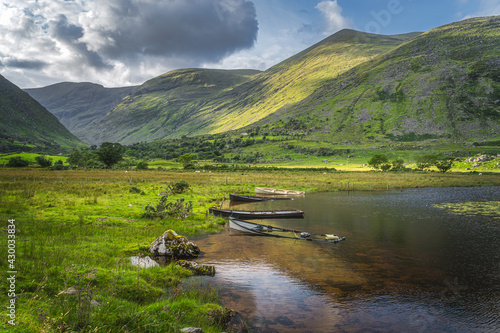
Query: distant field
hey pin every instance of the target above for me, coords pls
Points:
(4, 158)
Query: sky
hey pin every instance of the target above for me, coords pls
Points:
(127, 42)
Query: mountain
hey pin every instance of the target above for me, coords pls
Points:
(443, 84)
(164, 106)
(352, 87)
(77, 105)
(199, 101)
(25, 120)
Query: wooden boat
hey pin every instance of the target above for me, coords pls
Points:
(277, 191)
(249, 198)
(266, 214)
(271, 231)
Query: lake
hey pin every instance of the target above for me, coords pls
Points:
(405, 266)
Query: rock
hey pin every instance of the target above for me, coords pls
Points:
(70, 291)
(196, 268)
(144, 262)
(192, 330)
(95, 303)
(174, 246)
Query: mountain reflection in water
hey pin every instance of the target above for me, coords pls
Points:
(405, 266)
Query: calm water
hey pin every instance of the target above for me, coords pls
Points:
(405, 266)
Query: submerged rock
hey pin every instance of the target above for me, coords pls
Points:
(196, 268)
(174, 246)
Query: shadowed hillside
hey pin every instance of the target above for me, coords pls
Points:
(165, 105)
(77, 105)
(25, 121)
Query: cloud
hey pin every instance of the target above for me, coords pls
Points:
(484, 8)
(117, 41)
(23, 63)
(489, 8)
(332, 13)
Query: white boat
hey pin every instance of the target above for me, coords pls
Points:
(277, 191)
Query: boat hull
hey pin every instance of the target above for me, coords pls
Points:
(276, 191)
(272, 214)
(256, 229)
(246, 198)
(249, 198)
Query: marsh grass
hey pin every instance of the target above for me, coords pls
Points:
(489, 208)
(78, 229)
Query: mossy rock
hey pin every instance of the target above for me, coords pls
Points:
(174, 246)
(196, 268)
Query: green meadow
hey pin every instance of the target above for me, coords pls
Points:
(78, 228)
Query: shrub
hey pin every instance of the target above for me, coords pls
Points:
(142, 165)
(444, 164)
(43, 161)
(58, 165)
(385, 167)
(398, 164)
(179, 209)
(377, 160)
(426, 161)
(17, 162)
(186, 160)
(181, 186)
(134, 189)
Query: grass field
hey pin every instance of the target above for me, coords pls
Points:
(78, 228)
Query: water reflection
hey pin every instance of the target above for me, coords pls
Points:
(405, 266)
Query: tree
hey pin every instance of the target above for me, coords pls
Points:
(81, 158)
(17, 161)
(398, 164)
(110, 153)
(186, 160)
(377, 160)
(426, 161)
(43, 161)
(444, 164)
(385, 167)
(142, 165)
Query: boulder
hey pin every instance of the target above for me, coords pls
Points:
(196, 268)
(143, 262)
(191, 330)
(174, 246)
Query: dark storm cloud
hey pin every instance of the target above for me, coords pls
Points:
(70, 34)
(195, 30)
(24, 64)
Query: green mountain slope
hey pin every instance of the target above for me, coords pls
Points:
(199, 101)
(444, 84)
(160, 106)
(25, 120)
(77, 105)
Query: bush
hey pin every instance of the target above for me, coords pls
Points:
(134, 189)
(426, 161)
(377, 160)
(142, 165)
(17, 162)
(43, 161)
(181, 186)
(444, 164)
(398, 164)
(179, 209)
(58, 165)
(385, 167)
